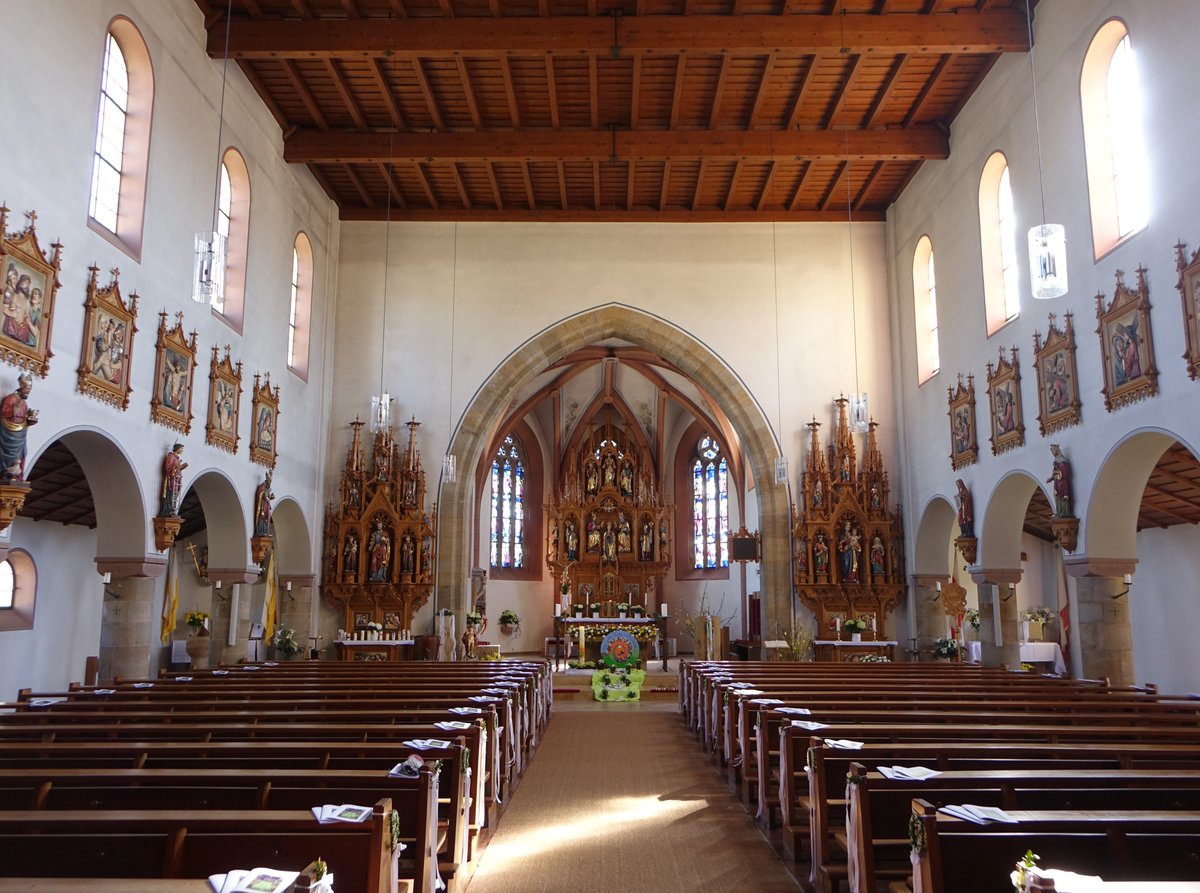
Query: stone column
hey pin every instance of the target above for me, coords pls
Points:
(929, 613)
(129, 629)
(998, 626)
(229, 599)
(1105, 640)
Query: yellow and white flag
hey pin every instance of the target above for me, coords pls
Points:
(170, 597)
(270, 604)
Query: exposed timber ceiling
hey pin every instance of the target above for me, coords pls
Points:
(614, 110)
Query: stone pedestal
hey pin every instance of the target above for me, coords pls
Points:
(198, 645)
(1102, 618)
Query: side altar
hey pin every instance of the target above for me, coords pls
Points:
(847, 545)
(380, 540)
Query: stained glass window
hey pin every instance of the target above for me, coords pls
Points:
(710, 506)
(508, 506)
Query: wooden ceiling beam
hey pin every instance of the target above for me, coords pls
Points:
(309, 146)
(761, 93)
(596, 185)
(836, 187)
(766, 190)
(351, 9)
(335, 73)
(861, 198)
(996, 31)
(737, 171)
(529, 197)
(635, 92)
(847, 86)
(359, 186)
(562, 186)
(514, 110)
(794, 201)
(267, 97)
(885, 93)
(629, 185)
(447, 8)
(551, 91)
(677, 93)
(665, 189)
(398, 9)
(915, 112)
(419, 169)
(494, 7)
(305, 94)
(594, 91)
(806, 82)
(699, 185)
(611, 215)
(461, 186)
(716, 103)
(497, 197)
(469, 93)
(430, 100)
(397, 195)
(385, 89)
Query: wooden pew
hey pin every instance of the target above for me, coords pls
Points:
(172, 844)
(953, 855)
(878, 808)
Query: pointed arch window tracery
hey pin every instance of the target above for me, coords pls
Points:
(508, 505)
(710, 506)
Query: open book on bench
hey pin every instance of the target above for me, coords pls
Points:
(257, 880)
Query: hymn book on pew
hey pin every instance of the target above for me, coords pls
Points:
(257, 880)
(980, 815)
(344, 812)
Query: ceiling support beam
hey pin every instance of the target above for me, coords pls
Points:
(994, 31)
(309, 146)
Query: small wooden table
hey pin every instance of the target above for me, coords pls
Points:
(836, 651)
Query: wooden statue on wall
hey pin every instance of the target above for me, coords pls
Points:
(17, 417)
(845, 542)
(380, 542)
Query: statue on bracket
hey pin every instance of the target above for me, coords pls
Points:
(16, 417)
(260, 542)
(172, 485)
(1063, 523)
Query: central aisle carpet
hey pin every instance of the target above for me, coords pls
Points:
(620, 798)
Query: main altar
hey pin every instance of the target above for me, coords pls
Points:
(608, 531)
(847, 544)
(380, 541)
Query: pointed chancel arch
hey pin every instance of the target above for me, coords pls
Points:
(692, 358)
(1110, 531)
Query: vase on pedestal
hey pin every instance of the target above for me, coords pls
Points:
(856, 637)
(197, 647)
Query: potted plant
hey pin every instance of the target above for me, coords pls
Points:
(577, 610)
(509, 621)
(855, 627)
(475, 618)
(594, 607)
(622, 610)
(638, 610)
(972, 619)
(284, 642)
(198, 643)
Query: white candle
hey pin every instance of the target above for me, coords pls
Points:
(662, 609)
(837, 623)
(557, 610)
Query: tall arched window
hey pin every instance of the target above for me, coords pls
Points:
(300, 312)
(1111, 100)
(998, 244)
(925, 311)
(710, 506)
(233, 222)
(508, 505)
(122, 150)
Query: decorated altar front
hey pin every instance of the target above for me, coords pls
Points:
(589, 632)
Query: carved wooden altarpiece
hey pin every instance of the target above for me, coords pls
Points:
(380, 540)
(847, 546)
(609, 528)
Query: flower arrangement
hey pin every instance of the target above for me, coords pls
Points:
(945, 648)
(1041, 615)
(565, 587)
(623, 607)
(594, 607)
(1020, 876)
(510, 618)
(638, 610)
(799, 641)
(284, 642)
(475, 618)
(874, 659)
(195, 619)
(578, 609)
(972, 617)
(854, 625)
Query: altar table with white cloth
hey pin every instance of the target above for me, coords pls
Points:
(1031, 653)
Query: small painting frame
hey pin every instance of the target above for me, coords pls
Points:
(30, 286)
(834, 621)
(106, 358)
(361, 619)
(1189, 292)
(391, 620)
(1126, 343)
(264, 421)
(964, 442)
(174, 375)
(224, 402)
(1004, 404)
(1059, 405)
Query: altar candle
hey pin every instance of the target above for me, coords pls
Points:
(662, 609)
(837, 624)
(557, 610)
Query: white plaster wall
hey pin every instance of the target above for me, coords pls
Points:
(53, 54)
(942, 201)
(66, 621)
(1164, 610)
(461, 298)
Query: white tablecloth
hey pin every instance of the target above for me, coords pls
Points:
(1031, 653)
